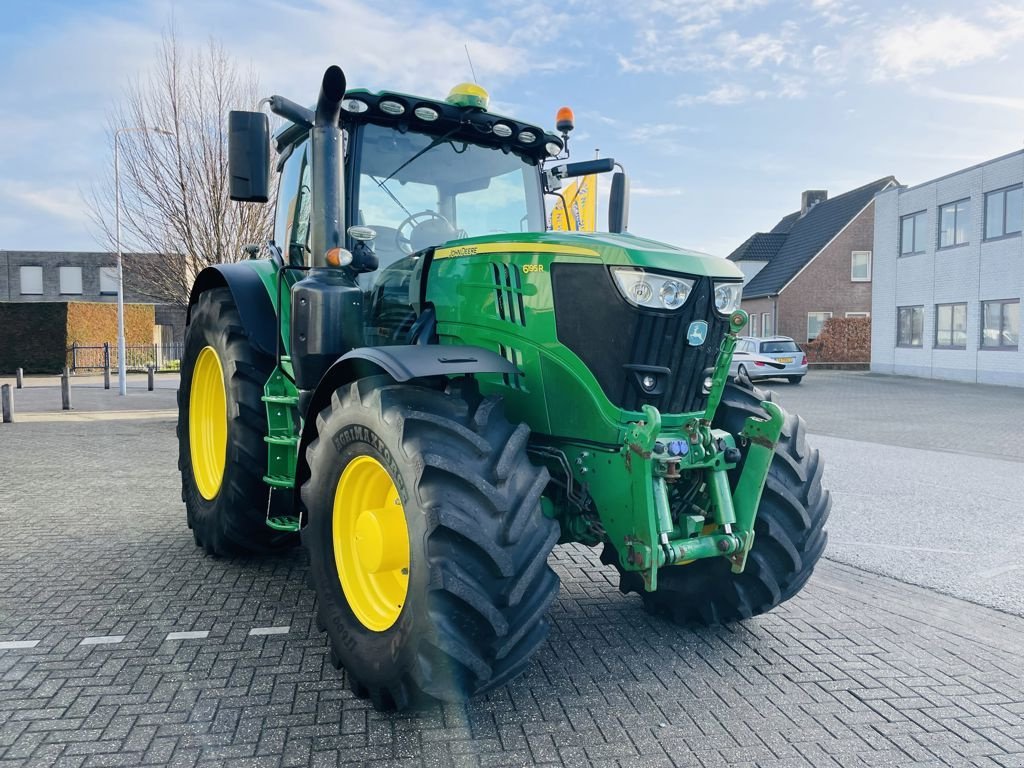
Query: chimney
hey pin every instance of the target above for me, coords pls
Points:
(810, 198)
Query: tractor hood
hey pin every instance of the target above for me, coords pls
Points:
(613, 249)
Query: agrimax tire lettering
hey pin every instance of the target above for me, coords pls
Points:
(356, 433)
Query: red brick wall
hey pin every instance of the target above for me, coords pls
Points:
(825, 285)
(756, 306)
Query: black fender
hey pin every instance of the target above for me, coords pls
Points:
(250, 294)
(401, 364)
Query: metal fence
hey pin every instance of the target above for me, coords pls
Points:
(83, 358)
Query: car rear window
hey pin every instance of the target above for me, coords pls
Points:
(769, 347)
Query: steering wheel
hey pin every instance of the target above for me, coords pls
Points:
(404, 241)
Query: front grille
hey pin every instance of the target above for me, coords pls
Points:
(619, 342)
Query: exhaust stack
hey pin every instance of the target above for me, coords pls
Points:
(327, 182)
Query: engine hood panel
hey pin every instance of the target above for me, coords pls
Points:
(609, 248)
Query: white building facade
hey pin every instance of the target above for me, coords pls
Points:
(949, 276)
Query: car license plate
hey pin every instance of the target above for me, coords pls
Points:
(785, 359)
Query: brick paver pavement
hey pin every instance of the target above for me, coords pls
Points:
(857, 670)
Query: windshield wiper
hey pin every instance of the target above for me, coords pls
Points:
(391, 195)
(430, 146)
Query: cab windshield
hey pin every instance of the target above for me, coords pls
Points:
(418, 191)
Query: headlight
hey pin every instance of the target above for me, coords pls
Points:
(727, 297)
(645, 289)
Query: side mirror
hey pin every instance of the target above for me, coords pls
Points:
(618, 203)
(249, 156)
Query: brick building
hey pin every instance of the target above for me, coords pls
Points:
(43, 276)
(816, 263)
(949, 276)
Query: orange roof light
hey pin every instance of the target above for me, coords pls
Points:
(565, 121)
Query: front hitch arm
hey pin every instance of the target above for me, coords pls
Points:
(761, 436)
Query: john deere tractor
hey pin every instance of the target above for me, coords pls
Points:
(433, 391)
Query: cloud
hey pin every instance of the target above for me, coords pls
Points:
(728, 50)
(61, 202)
(689, 35)
(927, 45)
(834, 12)
(639, 190)
(727, 94)
(984, 99)
(731, 94)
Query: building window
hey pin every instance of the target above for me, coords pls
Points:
(31, 281)
(860, 266)
(951, 326)
(815, 322)
(1000, 324)
(71, 281)
(912, 233)
(1004, 212)
(108, 281)
(858, 314)
(767, 326)
(909, 326)
(753, 324)
(954, 219)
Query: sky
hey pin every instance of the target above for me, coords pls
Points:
(722, 111)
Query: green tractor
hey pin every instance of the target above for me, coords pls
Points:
(434, 391)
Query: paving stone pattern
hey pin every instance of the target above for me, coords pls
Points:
(858, 670)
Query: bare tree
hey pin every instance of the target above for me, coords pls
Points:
(174, 188)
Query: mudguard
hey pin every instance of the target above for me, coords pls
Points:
(401, 363)
(251, 297)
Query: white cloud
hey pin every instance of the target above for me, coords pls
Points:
(55, 201)
(731, 94)
(927, 45)
(639, 190)
(833, 11)
(984, 99)
(727, 94)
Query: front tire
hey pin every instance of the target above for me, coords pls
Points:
(467, 568)
(221, 423)
(790, 534)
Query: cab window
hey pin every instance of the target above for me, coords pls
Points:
(291, 224)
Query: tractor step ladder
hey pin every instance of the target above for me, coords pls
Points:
(282, 439)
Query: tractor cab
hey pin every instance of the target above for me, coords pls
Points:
(419, 174)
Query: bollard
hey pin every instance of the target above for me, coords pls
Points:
(151, 370)
(19, 375)
(65, 390)
(106, 377)
(7, 398)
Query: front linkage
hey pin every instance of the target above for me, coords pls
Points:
(651, 459)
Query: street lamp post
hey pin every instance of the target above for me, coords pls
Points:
(122, 371)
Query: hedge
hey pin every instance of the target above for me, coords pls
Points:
(35, 335)
(842, 340)
(32, 336)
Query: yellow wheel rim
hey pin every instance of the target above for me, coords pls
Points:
(208, 423)
(371, 543)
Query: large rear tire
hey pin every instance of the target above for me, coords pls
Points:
(444, 591)
(221, 424)
(790, 534)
